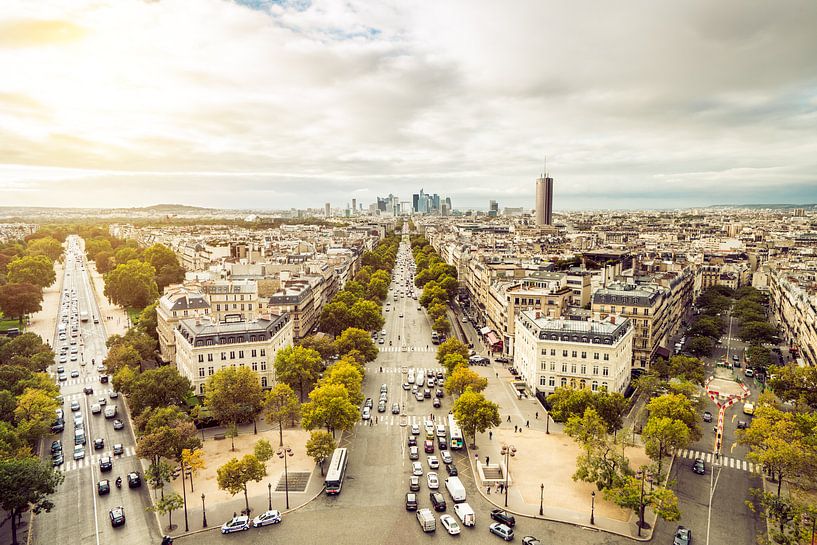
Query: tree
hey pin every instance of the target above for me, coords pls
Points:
(158, 473)
(663, 435)
(701, 346)
(795, 384)
(46, 246)
(121, 355)
(192, 460)
(131, 284)
(35, 413)
(26, 482)
(463, 378)
(453, 361)
(475, 414)
(566, 402)
(676, 407)
(164, 262)
(298, 367)
(159, 387)
(166, 505)
(334, 317)
(17, 300)
(442, 325)
(321, 344)
(148, 321)
(165, 432)
(125, 254)
(263, 450)
(602, 461)
(137, 339)
(759, 357)
(32, 269)
(234, 395)
(349, 375)
(707, 326)
(235, 474)
(680, 367)
(437, 310)
(104, 262)
(757, 332)
(11, 444)
(320, 446)
(281, 404)
(329, 406)
(661, 500)
(451, 346)
(357, 339)
(123, 379)
(366, 315)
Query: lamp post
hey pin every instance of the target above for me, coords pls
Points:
(508, 451)
(203, 512)
(541, 499)
(642, 474)
(547, 422)
(269, 490)
(593, 507)
(283, 453)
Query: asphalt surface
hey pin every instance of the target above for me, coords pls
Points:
(80, 515)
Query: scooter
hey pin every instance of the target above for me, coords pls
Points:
(119, 482)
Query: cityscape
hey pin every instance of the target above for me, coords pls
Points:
(582, 290)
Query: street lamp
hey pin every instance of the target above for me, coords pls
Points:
(642, 474)
(547, 422)
(593, 507)
(541, 499)
(269, 489)
(283, 453)
(203, 512)
(508, 451)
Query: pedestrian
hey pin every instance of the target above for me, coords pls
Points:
(490, 435)
(487, 460)
(537, 415)
(509, 419)
(235, 514)
(527, 423)
(514, 429)
(381, 368)
(489, 489)
(375, 419)
(497, 375)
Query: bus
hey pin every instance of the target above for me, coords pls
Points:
(336, 471)
(455, 433)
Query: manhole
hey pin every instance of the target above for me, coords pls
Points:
(297, 481)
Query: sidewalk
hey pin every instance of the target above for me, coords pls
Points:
(44, 323)
(114, 318)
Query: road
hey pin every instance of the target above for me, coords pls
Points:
(80, 515)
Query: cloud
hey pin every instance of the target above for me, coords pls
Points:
(293, 103)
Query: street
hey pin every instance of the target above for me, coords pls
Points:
(80, 515)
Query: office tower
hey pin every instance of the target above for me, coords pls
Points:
(415, 200)
(448, 203)
(327, 209)
(544, 200)
(493, 208)
(435, 203)
(354, 206)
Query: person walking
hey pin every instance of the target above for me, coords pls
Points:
(509, 419)
(487, 460)
(527, 423)
(514, 429)
(489, 489)
(537, 415)
(490, 435)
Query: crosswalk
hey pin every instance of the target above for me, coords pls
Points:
(723, 461)
(427, 348)
(376, 369)
(79, 396)
(79, 380)
(388, 419)
(74, 465)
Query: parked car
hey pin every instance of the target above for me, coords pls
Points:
(530, 540)
(411, 501)
(742, 425)
(450, 524)
(236, 524)
(267, 518)
(503, 517)
(707, 416)
(501, 530)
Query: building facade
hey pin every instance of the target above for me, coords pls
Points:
(179, 302)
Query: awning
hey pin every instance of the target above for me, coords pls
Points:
(492, 338)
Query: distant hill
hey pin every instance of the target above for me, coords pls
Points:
(765, 206)
(172, 208)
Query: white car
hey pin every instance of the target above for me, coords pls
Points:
(415, 429)
(433, 481)
(433, 462)
(416, 468)
(96, 408)
(237, 524)
(446, 456)
(450, 524)
(264, 519)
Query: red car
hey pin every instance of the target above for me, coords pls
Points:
(428, 446)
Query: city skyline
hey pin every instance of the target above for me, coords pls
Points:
(255, 104)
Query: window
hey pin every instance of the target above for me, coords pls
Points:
(607, 357)
(551, 382)
(564, 368)
(552, 351)
(209, 357)
(240, 353)
(263, 382)
(564, 382)
(564, 353)
(605, 371)
(574, 353)
(201, 389)
(249, 306)
(544, 366)
(542, 381)
(584, 355)
(263, 366)
(218, 307)
(201, 372)
(232, 354)
(583, 369)
(573, 368)
(263, 352)
(604, 385)
(595, 355)
(594, 385)
(635, 311)
(595, 369)
(201, 358)
(544, 351)
(254, 366)
(552, 366)
(223, 356)
(210, 370)
(612, 309)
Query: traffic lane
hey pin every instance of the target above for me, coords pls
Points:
(71, 519)
(732, 521)
(692, 491)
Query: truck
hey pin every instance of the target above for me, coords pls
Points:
(426, 519)
(456, 489)
(466, 514)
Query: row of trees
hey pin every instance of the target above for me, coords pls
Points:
(26, 268)
(138, 277)
(438, 281)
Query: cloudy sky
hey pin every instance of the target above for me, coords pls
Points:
(278, 104)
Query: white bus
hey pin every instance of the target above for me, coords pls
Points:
(336, 471)
(455, 434)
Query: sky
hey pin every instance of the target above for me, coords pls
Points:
(294, 103)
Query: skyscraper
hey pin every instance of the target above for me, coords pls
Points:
(328, 209)
(415, 200)
(354, 206)
(544, 200)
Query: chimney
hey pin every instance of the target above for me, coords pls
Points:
(538, 314)
(613, 319)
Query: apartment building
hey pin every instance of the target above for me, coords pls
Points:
(204, 346)
(575, 353)
(232, 300)
(179, 302)
(296, 297)
(793, 308)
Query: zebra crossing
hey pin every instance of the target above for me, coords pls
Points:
(376, 369)
(75, 465)
(79, 380)
(394, 420)
(427, 348)
(79, 396)
(723, 461)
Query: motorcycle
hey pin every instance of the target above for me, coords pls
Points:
(119, 482)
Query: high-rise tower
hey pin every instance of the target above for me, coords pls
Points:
(544, 200)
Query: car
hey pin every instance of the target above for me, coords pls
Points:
(442, 443)
(749, 408)
(79, 452)
(236, 524)
(698, 466)
(118, 449)
(452, 470)
(433, 481)
(103, 487)
(96, 408)
(74, 373)
(411, 501)
(56, 446)
(74, 358)
(412, 440)
(683, 536)
(446, 456)
(417, 469)
(117, 515)
(395, 408)
(102, 401)
(707, 416)
(118, 425)
(414, 483)
(103, 379)
(742, 424)
(503, 517)
(439, 393)
(63, 359)
(58, 426)
(105, 463)
(384, 397)
(62, 377)
(134, 479)
(440, 375)
(381, 341)
(427, 393)
(437, 501)
(530, 540)
(749, 372)
(381, 406)
(419, 396)
(450, 524)
(415, 429)
(406, 386)
(464, 320)
(100, 368)
(113, 394)
(266, 518)
(414, 453)
(99, 443)
(433, 462)
(57, 459)
(428, 446)
(501, 530)
(88, 391)
(431, 381)
(60, 368)
(367, 413)
(436, 403)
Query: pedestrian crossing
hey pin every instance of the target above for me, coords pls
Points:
(79, 380)
(394, 420)
(79, 396)
(377, 369)
(75, 465)
(427, 348)
(722, 461)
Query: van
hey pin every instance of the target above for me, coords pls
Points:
(79, 436)
(456, 489)
(426, 519)
(465, 513)
(110, 411)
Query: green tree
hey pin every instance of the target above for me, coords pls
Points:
(322, 344)
(707, 326)
(758, 332)
(680, 367)
(329, 407)
(166, 505)
(320, 446)
(701, 346)
(281, 404)
(298, 367)
(437, 310)
(451, 346)
(661, 500)
(120, 356)
(160, 387)
(676, 407)
(442, 325)
(125, 254)
(602, 460)
(11, 444)
(136, 339)
(475, 414)
(366, 315)
(463, 378)
(349, 375)
(34, 414)
(234, 395)
(357, 339)
(46, 246)
(795, 384)
(148, 321)
(17, 300)
(123, 378)
(26, 482)
(377, 289)
(131, 284)
(335, 317)
(33, 269)
(566, 402)
(663, 435)
(104, 262)
(759, 357)
(452, 362)
(235, 474)
(263, 450)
